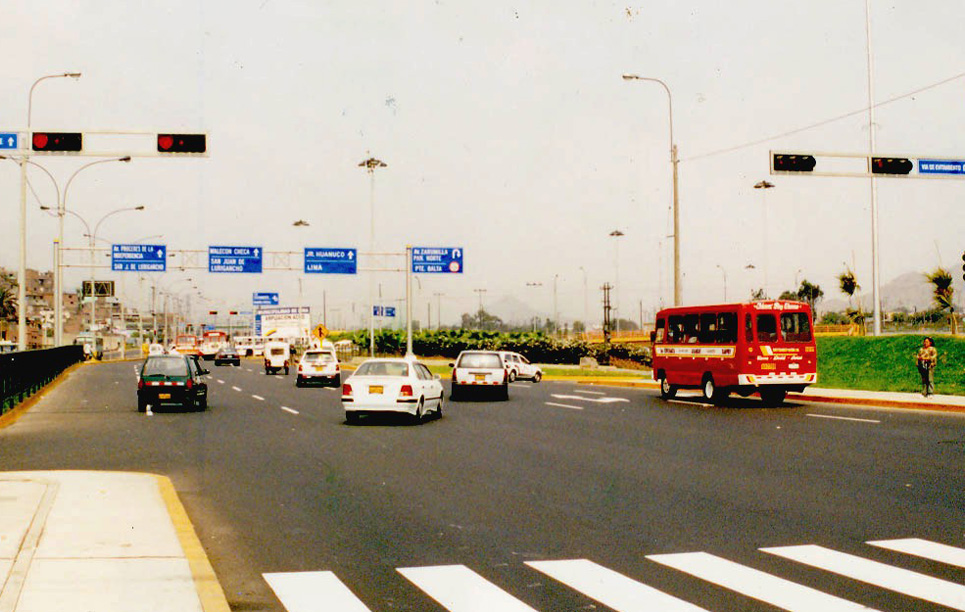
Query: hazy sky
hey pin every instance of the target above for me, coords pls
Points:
(507, 130)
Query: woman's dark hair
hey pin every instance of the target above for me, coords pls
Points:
(929, 339)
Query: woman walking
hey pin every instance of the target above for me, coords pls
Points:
(927, 360)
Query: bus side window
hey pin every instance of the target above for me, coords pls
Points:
(660, 331)
(766, 328)
(675, 329)
(727, 328)
(708, 328)
(748, 329)
(690, 328)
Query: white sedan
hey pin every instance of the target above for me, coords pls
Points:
(392, 385)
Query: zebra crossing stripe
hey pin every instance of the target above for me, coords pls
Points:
(459, 589)
(923, 548)
(611, 588)
(885, 576)
(313, 592)
(756, 584)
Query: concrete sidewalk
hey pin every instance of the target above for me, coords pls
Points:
(887, 399)
(100, 541)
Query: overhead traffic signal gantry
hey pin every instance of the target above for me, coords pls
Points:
(786, 162)
(182, 143)
(891, 165)
(57, 141)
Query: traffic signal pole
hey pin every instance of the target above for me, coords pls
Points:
(875, 273)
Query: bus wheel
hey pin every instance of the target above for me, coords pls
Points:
(711, 392)
(773, 396)
(667, 390)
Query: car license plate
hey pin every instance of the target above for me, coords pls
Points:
(480, 377)
(164, 396)
(375, 389)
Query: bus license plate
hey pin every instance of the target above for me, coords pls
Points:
(375, 389)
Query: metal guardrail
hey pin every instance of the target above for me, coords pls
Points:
(24, 373)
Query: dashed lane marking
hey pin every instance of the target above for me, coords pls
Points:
(583, 391)
(564, 406)
(220, 382)
(258, 397)
(598, 400)
(841, 418)
(236, 388)
(287, 409)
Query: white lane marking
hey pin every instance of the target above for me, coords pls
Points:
(885, 576)
(610, 588)
(236, 388)
(756, 584)
(589, 392)
(564, 405)
(598, 400)
(923, 548)
(459, 589)
(686, 403)
(313, 592)
(258, 397)
(287, 409)
(220, 382)
(841, 418)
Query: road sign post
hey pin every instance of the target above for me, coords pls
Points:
(139, 258)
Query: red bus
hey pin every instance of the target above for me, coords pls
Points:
(764, 347)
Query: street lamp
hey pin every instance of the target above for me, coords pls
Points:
(370, 165)
(22, 270)
(724, 272)
(674, 161)
(616, 234)
(556, 312)
(764, 186)
(586, 309)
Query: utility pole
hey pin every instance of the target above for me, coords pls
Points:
(438, 310)
(606, 323)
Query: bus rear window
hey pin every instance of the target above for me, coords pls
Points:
(795, 327)
(766, 328)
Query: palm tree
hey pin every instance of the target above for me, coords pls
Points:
(849, 285)
(942, 292)
(8, 303)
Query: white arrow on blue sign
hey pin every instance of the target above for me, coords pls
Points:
(437, 260)
(9, 140)
(331, 261)
(139, 258)
(265, 298)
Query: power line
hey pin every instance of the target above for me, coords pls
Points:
(825, 122)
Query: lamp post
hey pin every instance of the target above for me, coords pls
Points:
(674, 161)
(724, 272)
(556, 312)
(616, 234)
(438, 296)
(370, 166)
(586, 309)
(22, 270)
(875, 275)
(534, 284)
(764, 186)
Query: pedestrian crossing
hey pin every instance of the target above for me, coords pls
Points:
(458, 588)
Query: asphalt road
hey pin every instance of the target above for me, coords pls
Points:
(276, 482)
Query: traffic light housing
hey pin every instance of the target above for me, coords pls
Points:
(963, 266)
(57, 141)
(232, 312)
(212, 312)
(891, 165)
(784, 162)
(182, 143)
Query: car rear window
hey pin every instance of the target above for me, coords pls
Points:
(277, 351)
(480, 360)
(319, 357)
(165, 366)
(382, 368)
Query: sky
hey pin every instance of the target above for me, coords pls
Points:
(507, 131)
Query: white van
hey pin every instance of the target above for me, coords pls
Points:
(278, 355)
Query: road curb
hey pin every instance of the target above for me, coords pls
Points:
(205, 581)
(10, 417)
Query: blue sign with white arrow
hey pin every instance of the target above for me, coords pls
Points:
(139, 258)
(9, 140)
(331, 261)
(264, 298)
(437, 260)
(383, 311)
(941, 166)
(234, 259)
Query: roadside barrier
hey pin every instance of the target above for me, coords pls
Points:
(24, 373)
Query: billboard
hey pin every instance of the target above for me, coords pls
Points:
(283, 321)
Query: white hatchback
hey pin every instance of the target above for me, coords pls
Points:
(520, 367)
(318, 366)
(392, 385)
(479, 371)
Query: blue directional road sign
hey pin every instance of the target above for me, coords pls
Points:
(9, 140)
(264, 298)
(139, 258)
(383, 311)
(331, 261)
(941, 166)
(234, 259)
(437, 260)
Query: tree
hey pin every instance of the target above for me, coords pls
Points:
(849, 286)
(758, 295)
(8, 302)
(809, 293)
(482, 320)
(788, 295)
(942, 292)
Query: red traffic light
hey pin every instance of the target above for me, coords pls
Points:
(784, 162)
(182, 143)
(232, 312)
(891, 165)
(58, 141)
(212, 312)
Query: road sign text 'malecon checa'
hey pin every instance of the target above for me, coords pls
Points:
(234, 259)
(139, 258)
(331, 261)
(437, 260)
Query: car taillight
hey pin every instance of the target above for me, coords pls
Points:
(140, 384)
(189, 384)
(405, 391)
(337, 368)
(453, 375)
(346, 389)
(301, 368)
